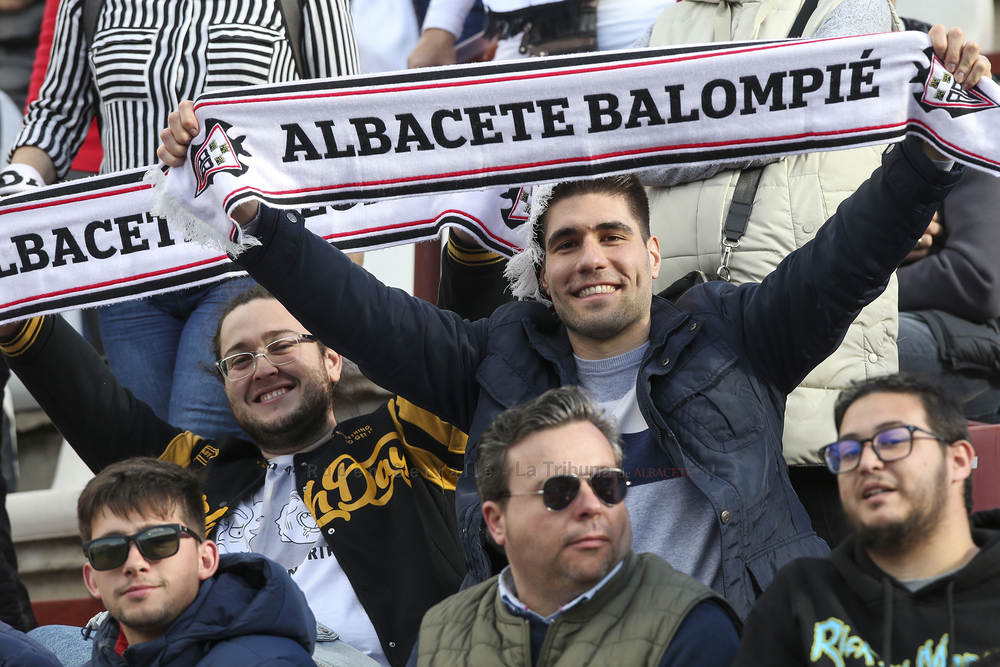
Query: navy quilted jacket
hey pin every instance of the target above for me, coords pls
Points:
(250, 613)
(712, 387)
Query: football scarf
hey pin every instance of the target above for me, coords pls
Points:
(387, 159)
(542, 120)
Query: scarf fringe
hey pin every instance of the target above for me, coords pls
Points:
(193, 228)
(523, 268)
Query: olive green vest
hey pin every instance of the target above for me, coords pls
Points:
(629, 622)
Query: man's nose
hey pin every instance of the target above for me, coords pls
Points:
(586, 502)
(868, 459)
(135, 562)
(593, 255)
(263, 366)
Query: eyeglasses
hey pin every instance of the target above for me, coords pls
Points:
(890, 444)
(156, 543)
(610, 485)
(278, 353)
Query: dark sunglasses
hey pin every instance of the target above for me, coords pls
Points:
(610, 486)
(155, 543)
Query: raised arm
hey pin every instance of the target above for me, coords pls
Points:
(800, 312)
(427, 355)
(102, 420)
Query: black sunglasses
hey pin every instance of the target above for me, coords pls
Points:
(155, 543)
(610, 485)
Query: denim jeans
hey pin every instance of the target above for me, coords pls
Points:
(68, 644)
(161, 349)
(977, 394)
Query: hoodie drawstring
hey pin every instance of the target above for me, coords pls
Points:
(951, 616)
(887, 622)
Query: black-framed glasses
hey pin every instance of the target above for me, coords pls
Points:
(889, 444)
(278, 353)
(609, 484)
(155, 543)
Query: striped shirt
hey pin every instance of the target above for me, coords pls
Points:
(148, 55)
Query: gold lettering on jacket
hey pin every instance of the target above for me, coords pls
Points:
(207, 452)
(347, 485)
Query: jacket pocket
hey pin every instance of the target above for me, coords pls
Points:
(120, 61)
(240, 55)
(506, 383)
(723, 414)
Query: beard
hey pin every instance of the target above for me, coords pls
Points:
(290, 433)
(604, 325)
(899, 537)
(150, 621)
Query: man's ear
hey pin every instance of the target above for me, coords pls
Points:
(334, 365)
(653, 246)
(493, 516)
(208, 559)
(542, 282)
(90, 581)
(961, 454)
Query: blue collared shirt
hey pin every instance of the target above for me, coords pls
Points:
(508, 594)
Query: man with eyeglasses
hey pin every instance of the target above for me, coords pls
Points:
(171, 598)
(551, 484)
(918, 580)
(360, 512)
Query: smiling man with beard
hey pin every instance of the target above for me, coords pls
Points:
(917, 582)
(361, 512)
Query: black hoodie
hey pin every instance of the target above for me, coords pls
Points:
(845, 612)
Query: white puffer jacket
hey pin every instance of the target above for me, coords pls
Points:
(795, 196)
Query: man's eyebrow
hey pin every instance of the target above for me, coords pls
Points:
(269, 336)
(879, 427)
(565, 232)
(139, 529)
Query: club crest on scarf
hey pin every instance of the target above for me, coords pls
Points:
(941, 91)
(518, 213)
(218, 153)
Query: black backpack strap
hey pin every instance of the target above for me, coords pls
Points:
(738, 216)
(91, 12)
(291, 11)
(746, 188)
(808, 7)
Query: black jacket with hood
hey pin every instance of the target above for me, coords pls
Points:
(845, 611)
(249, 613)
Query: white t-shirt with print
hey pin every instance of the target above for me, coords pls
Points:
(276, 523)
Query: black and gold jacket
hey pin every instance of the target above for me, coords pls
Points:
(381, 489)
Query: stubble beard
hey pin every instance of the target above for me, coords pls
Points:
(604, 326)
(149, 621)
(900, 537)
(294, 431)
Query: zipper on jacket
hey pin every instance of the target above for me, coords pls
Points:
(648, 415)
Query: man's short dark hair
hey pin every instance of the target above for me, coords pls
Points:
(626, 186)
(255, 293)
(555, 408)
(944, 416)
(145, 487)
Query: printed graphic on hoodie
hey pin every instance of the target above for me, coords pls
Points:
(834, 641)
